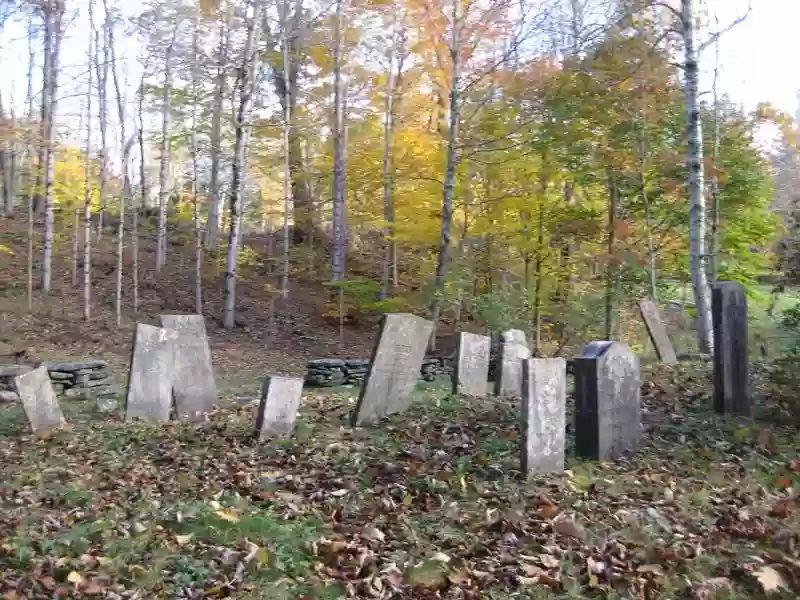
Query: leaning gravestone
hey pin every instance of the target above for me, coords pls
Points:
(39, 399)
(394, 368)
(472, 365)
(513, 350)
(607, 403)
(543, 426)
(280, 399)
(193, 385)
(657, 332)
(729, 309)
(149, 394)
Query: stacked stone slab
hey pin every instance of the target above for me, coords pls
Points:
(332, 372)
(79, 379)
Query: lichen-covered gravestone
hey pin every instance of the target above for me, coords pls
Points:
(472, 365)
(193, 384)
(731, 384)
(657, 332)
(394, 368)
(543, 425)
(513, 350)
(149, 394)
(280, 399)
(39, 399)
(607, 403)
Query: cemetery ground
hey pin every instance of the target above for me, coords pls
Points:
(427, 504)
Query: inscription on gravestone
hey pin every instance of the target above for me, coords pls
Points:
(193, 383)
(607, 402)
(39, 400)
(149, 394)
(543, 424)
(731, 380)
(280, 400)
(472, 365)
(513, 350)
(394, 368)
(657, 332)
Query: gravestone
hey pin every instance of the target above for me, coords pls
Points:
(657, 332)
(149, 395)
(543, 418)
(280, 399)
(513, 350)
(607, 403)
(472, 365)
(38, 399)
(729, 309)
(394, 368)
(193, 384)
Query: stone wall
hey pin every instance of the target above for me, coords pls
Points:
(70, 380)
(330, 372)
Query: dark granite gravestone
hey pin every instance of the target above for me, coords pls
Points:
(513, 350)
(39, 400)
(149, 394)
(472, 365)
(394, 368)
(607, 403)
(731, 383)
(657, 332)
(543, 425)
(280, 399)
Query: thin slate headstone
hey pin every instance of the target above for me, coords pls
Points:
(731, 383)
(657, 332)
(39, 399)
(472, 364)
(280, 400)
(394, 368)
(543, 418)
(607, 402)
(513, 350)
(149, 395)
(193, 386)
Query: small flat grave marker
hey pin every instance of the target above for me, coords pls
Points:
(472, 365)
(731, 361)
(543, 426)
(149, 394)
(194, 386)
(39, 400)
(657, 332)
(513, 350)
(280, 400)
(607, 402)
(394, 368)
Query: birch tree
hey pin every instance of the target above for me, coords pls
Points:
(101, 64)
(339, 255)
(216, 200)
(87, 184)
(198, 234)
(163, 172)
(287, 104)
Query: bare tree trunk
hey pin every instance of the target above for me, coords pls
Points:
(339, 255)
(102, 99)
(163, 173)
(198, 233)
(216, 201)
(74, 262)
(87, 185)
(715, 208)
(44, 115)
(142, 201)
(287, 165)
(611, 268)
(694, 164)
(245, 84)
(538, 270)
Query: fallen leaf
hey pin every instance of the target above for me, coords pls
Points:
(708, 589)
(373, 534)
(771, 581)
(339, 493)
(182, 540)
(567, 527)
(228, 514)
(74, 577)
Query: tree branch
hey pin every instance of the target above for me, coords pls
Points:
(714, 37)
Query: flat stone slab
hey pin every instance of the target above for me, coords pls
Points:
(513, 350)
(72, 367)
(194, 385)
(277, 411)
(149, 394)
(14, 370)
(543, 415)
(472, 364)
(657, 332)
(326, 362)
(39, 400)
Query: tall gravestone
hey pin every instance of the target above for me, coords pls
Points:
(149, 395)
(607, 402)
(657, 332)
(513, 350)
(39, 399)
(731, 383)
(394, 368)
(280, 399)
(472, 365)
(543, 420)
(193, 383)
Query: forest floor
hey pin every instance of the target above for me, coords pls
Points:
(426, 505)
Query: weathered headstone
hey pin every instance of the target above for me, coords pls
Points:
(194, 386)
(607, 402)
(657, 332)
(150, 376)
(394, 368)
(472, 365)
(39, 399)
(280, 399)
(543, 426)
(513, 350)
(731, 384)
